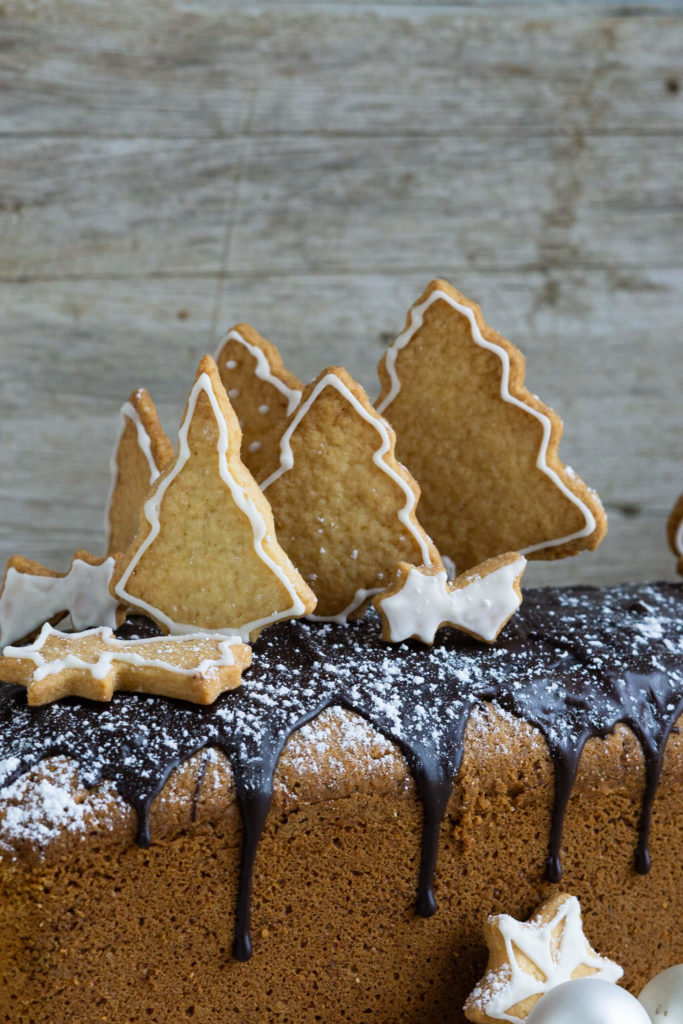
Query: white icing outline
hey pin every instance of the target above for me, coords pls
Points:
(425, 602)
(416, 321)
(119, 651)
(382, 428)
(534, 940)
(128, 412)
(27, 599)
(263, 370)
(243, 502)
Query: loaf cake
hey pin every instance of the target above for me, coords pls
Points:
(337, 759)
(132, 891)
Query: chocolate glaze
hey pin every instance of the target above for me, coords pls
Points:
(572, 662)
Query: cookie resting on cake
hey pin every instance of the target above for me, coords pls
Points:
(126, 870)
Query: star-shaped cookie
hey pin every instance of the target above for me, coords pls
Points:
(527, 959)
(95, 663)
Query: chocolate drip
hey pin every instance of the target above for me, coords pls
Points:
(573, 663)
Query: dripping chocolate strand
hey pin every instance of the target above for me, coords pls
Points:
(573, 663)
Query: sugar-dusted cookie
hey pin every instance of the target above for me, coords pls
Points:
(527, 959)
(478, 602)
(483, 449)
(142, 451)
(675, 532)
(95, 663)
(32, 595)
(344, 507)
(262, 393)
(205, 557)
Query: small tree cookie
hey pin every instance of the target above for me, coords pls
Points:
(142, 451)
(262, 393)
(479, 602)
(32, 594)
(344, 507)
(95, 663)
(675, 532)
(205, 557)
(527, 959)
(483, 449)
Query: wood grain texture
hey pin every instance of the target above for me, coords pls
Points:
(169, 169)
(207, 70)
(84, 207)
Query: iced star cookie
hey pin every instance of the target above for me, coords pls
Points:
(675, 532)
(95, 663)
(483, 449)
(527, 959)
(31, 594)
(205, 557)
(262, 393)
(344, 507)
(142, 451)
(478, 602)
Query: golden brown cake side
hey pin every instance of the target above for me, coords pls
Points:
(96, 929)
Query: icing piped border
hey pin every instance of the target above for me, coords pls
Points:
(263, 370)
(128, 412)
(382, 427)
(119, 651)
(243, 502)
(399, 343)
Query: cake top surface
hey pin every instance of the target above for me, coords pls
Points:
(573, 663)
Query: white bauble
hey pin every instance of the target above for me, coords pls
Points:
(663, 996)
(588, 1001)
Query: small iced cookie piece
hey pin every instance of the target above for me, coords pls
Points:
(261, 391)
(674, 531)
(95, 663)
(142, 451)
(344, 507)
(205, 558)
(32, 594)
(527, 959)
(478, 602)
(483, 449)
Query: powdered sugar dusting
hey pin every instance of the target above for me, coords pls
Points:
(336, 731)
(37, 811)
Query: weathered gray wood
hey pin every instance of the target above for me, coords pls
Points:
(82, 207)
(211, 69)
(170, 168)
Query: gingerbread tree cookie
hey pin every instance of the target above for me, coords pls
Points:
(675, 532)
(478, 602)
(344, 507)
(95, 663)
(527, 959)
(262, 393)
(142, 451)
(205, 557)
(31, 594)
(483, 449)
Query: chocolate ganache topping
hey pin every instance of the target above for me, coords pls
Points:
(573, 662)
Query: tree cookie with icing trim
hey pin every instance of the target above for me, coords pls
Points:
(31, 594)
(479, 602)
(262, 392)
(527, 959)
(141, 453)
(344, 507)
(95, 663)
(483, 449)
(205, 558)
(674, 529)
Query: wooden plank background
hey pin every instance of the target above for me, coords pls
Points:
(169, 168)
